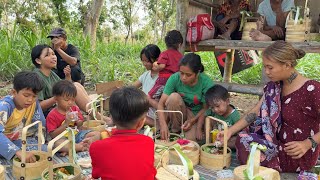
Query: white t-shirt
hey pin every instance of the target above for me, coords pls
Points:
(147, 81)
(266, 10)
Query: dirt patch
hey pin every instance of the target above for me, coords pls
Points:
(244, 102)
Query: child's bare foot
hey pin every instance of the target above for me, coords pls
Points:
(82, 146)
(258, 36)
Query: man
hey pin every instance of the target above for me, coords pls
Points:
(67, 54)
(272, 27)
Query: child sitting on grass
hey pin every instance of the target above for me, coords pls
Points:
(126, 154)
(168, 62)
(217, 98)
(17, 111)
(60, 117)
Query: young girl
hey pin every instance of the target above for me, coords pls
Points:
(148, 56)
(168, 62)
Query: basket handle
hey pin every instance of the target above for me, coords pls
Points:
(169, 111)
(52, 150)
(90, 109)
(225, 131)
(187, 163)
(24, 142)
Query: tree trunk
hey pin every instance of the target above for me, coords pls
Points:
(92, 20)
(163, 29)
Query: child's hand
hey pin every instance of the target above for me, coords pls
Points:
(30, 158)
(155, 66)
(67, 72)
(199, 134)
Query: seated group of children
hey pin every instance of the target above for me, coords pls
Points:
(129, 109)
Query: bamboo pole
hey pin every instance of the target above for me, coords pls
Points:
(227, 74)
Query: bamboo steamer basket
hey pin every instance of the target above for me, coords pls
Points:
(215, 161)
(173, 172)
(23, 170)
(246, 29)
(265, 173)
(95, 125)
(2, 171)
(158, 155)
(300, 31)
(166, 142)
(52, 151)
(193, 155)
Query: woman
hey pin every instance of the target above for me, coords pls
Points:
(286, 119)
(146, 81)
(184, 91)
(44, 59)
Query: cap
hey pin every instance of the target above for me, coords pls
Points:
(57, 32)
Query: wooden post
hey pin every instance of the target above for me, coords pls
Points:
(181, 20)
(228, 65)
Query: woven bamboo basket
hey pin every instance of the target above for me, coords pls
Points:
(172, 135)
(248, 25)
(23, 170)
(52, 151)
(95, 125)
(298, 31)
(215, 161)
(2, 171)
(193, 154)
(174, 172)
(265, 173)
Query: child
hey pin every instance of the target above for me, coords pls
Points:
(217, 98)
(168, 62)
(148, 56)
(64, 93)
(45, 61)
(18, 111)
(126, 154)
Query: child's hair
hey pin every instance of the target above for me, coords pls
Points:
(36, 52)
(127, 105)
(173, 39)
(215, 94)
(151, 52)
(64, 88)
(193, 61)
(28, 80)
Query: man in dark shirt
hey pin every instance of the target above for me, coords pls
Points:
(67, 54)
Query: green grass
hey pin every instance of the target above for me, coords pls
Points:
(115, 60)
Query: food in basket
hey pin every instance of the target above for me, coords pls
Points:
(61, 173)
(213, 149)
(17, 159)
(186, 146)
(172, 137)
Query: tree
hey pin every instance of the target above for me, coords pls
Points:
(127, 10)
(61, 11)
(92, 19)
(161, 11)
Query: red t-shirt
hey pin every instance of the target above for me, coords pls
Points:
(125, 155)
(55, 118)
(170, 58)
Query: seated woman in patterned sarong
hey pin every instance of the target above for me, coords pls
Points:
(286, 119)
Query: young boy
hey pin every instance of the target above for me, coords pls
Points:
(60, 117)
(168, 62)
(17, 111)
(126, 154)
(217, 98)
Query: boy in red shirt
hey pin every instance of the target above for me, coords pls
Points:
(67, 114)
(168, 62)
(126, 154)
